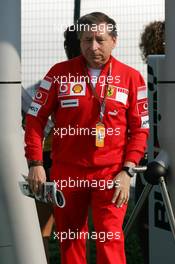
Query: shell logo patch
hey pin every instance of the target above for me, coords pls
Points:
(72, 89)
(77, 88)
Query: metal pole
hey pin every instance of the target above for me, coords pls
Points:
(144, 196)
(77, 6)
(137, 208)
(18, 221)
(168, 206)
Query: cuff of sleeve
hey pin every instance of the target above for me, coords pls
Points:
(134, 156)
(33, 163)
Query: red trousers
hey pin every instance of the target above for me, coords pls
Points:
(71, 221)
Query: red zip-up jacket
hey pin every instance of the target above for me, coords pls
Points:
(66, 93)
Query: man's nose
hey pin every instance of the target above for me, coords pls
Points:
(94, 45)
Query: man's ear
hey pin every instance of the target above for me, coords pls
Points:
(114, 42)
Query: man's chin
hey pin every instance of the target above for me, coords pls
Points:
(96, 63)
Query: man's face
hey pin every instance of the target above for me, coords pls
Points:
(97, 45)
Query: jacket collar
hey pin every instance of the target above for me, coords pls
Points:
(105, 68)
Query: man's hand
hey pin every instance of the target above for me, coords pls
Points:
(121, 194)
(36, 178)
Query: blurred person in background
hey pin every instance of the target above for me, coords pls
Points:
(152, 39)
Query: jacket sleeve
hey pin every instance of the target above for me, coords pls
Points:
(40, 109)
(138, 120)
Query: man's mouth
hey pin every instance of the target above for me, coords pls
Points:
(96, 57)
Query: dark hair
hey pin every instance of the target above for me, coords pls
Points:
(96, 18)
(71, 42)
(153, 39)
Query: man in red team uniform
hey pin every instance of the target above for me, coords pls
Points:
(101, 127)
